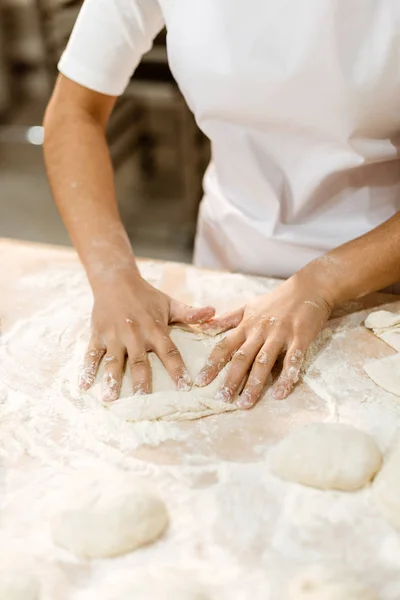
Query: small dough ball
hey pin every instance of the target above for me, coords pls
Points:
(17, 585)
(319, 583)
(386, 488)
(327, 456)
(108, 520)
(149, 584)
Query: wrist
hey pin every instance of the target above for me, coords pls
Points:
(105, 270)
(318, 278)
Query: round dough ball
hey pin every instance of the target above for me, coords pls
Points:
(17, 585)
(110, 522)
(149, 584)
(318, 583)
(327, 456)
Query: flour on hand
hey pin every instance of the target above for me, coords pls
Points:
(166, 402)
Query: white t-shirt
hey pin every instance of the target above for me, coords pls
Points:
(301, 102)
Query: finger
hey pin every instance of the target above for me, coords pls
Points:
(173, 362)
(183, 313)
(223, 323)
(259, 373)
(90, 366)
(140, 368)
(290, 372)
(239, 367)
(113, 370)
(219, 357)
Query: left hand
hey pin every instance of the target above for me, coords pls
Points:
(284, 321)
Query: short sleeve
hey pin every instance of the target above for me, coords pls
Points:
(108, 42)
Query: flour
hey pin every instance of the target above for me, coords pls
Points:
(238, 529)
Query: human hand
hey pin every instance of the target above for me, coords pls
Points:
(130, 318)
(283, 321)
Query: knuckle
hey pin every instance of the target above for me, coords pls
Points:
(140, 360)
(111, 358)
(289, 376)
(172, 351)
(296, 357)
(262, 358)
(179, 372)
(254, 382)
(240, 356)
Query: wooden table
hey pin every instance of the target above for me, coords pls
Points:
(190, 451)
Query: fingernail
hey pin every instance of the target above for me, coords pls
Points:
(279, 393)
(244, 401)
(200, 379)
(223, 395)
(139, 391)
(110, 390)
(86, 378)
(184, 383)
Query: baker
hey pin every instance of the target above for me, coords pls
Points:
(301, 102)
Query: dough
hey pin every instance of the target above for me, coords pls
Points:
(327, 456)
(166, 402)
(319, 583)
(386, 326)
(16, 585)
(385, 372)
(149, 584)
(386, 487)
(108, 519)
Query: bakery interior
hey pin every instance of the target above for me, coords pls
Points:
(295, 499)
(158, 152)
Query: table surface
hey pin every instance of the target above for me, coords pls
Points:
(334, 388)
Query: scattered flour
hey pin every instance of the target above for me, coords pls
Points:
(231, 522)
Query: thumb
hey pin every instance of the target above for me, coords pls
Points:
(191, 315)
(223, 322)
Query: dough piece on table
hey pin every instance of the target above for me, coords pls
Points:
(17, 585)
(386, 487)
(106, 520)
(149, 584)
(327, 456)
(385, 372)
(386, 326)
(166, 403)
(319, 583)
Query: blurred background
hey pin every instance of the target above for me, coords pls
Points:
(158, 152)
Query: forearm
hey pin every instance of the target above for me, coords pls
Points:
(364, 265)
(81, 177)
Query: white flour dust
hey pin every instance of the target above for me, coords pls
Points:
(243, 532)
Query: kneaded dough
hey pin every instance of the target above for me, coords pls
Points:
(386, 326)
(327, 456)
(385, 372)
(386, 487)
(149, 584)
(107, 519)
(166, 402)
(320, 583)
(17, 585)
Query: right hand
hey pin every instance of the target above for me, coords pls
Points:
(130, 318)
